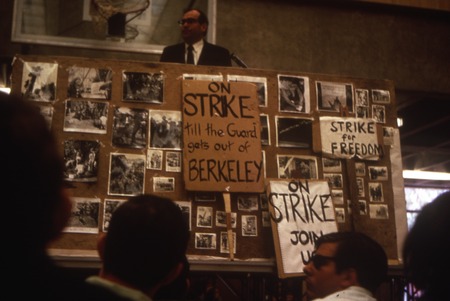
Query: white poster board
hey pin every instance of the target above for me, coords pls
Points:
(301, 211)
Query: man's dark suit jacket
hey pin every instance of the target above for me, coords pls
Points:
(212, 55)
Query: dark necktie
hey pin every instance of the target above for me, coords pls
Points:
(190, 55)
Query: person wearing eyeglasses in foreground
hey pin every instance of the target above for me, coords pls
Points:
(346, 266)
(426, 250)
(194, 27)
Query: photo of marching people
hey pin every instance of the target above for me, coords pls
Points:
(143, 87)
(130, 127)
(165, 129)
(86, 116)
(89, 83)
(126, 174)
(84, 216)
(81, 160)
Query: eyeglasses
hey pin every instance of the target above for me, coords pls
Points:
(188, 21)
(320, 260)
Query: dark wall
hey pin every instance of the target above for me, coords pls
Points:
(408, 46)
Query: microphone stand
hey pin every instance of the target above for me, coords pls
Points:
(238, 61)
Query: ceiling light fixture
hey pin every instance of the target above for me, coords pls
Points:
(426, 175)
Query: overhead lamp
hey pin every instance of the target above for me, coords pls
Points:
(426, 175)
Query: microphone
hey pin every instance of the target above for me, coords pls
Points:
(238, 61)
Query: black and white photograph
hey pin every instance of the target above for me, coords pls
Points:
(126, 174)
(334, 180)
(165, 129)
(388, 135)
(337, 196)
(362, 205)
(39, 81)
(81, 160)
(376, 192)
(378, 211)
(334, 97)
(265, 129)
(381, 96)
(261, 86)
(360, 187)
(221, 219)
(331, 165)
(340, 215)
(143, 87)
(249, 225)
(86, 116)
(130, 127)
(206, 241)
(47, 113)
(293, 94)
(362, 97)
(186, 210)
(154, 159)
(360, 169)
(163, 184)
(247, 201)
(224, 247)
(84, 216)
(173, 161)
(362, 112)
(379, 113)
(293, 132)
(108, 209)
(89, 83)
(265, 218)
(378, 173)
(204, 217)
(297, 167)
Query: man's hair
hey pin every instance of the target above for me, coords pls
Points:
(147, 237)
(360, 252)
(427, 247)
(202, 18)
(32, 169)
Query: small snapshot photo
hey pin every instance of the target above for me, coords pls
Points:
(362, 112)
(126, 174)
(249, 225)
(388, 135)
(293, 132)
(334, 180)
(340, 215)
(143, 87)
(130, 127)
(154, 159)
(362, 204)
(297, 167)
(378, 211)
(186, 210)
(224, 246)
(376, 192)
(163, 184)
(265, 217)
(261, 86)
(265, 129)
(293, 94)
(331, 165)
(173, 161)
(39, 81)
(86, 116)
(206, 241)
(334, 97)
(381, 96)
(81, 160)
(360, 169)
(378, 173)
(89, 83)
(337, 195)
(108, 209)
(84, 216)
(204, 217)
(362, 97)
(221, 219)
(165, 129)
(379, 113)
(360, 186)
(247, 201)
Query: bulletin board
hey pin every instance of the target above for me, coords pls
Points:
(119, 127)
